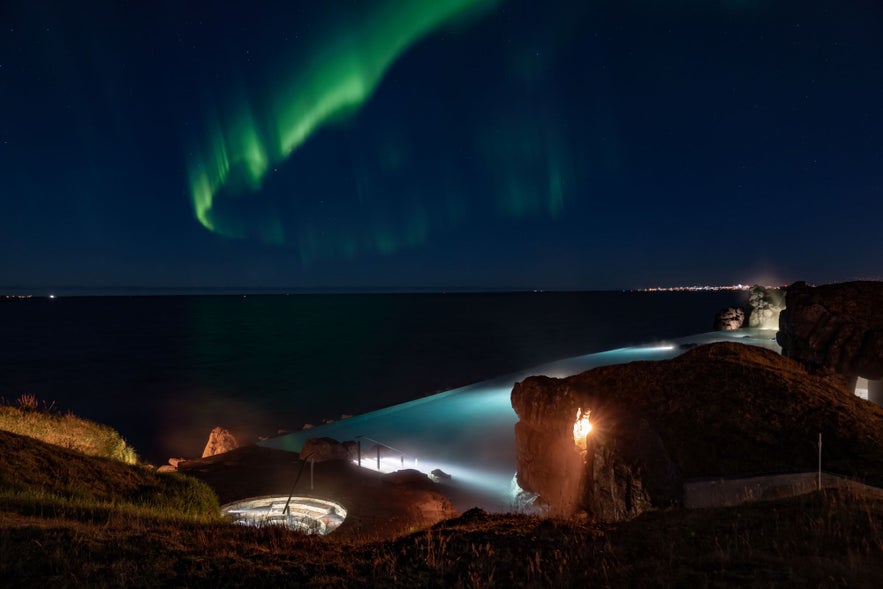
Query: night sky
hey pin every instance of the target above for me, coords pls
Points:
(439, 144)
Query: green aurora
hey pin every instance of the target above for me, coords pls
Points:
(346, 69)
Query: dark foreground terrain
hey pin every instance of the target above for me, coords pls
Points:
(92, 521)
(68, 519)
(832, 539)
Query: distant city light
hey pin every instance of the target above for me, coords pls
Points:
(702, 287)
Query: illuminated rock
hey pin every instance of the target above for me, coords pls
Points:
(835, 326)
(172, 466)
(615, 471)
(439, 476)
(429, 508)
(221, 440)
(721, 410)
(729, 319)
(766, 305)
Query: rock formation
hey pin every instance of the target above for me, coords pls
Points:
(766, 305)
(836, 326)
(722, 410)
(729, 319)
(408, 476)
(624, 470)
(221, 440)
(322, 449)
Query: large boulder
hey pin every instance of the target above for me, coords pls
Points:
(721, 410)
(729, 319)
(835, 326)
(766, 305)
(222, 440)
(322, 449)
(408, 476)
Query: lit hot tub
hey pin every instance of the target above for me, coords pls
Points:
(304, 514)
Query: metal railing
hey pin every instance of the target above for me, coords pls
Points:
(378, 445)
(286, 511)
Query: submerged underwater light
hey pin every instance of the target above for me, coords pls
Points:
(658, 348)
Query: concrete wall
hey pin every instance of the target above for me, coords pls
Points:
(875, 391)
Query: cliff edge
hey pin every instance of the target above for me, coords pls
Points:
(722, 410)
(835, 326)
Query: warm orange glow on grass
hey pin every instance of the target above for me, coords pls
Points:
(582, 427)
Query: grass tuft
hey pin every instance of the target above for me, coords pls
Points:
(26, 418)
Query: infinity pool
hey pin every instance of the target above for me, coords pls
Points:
(468, 432)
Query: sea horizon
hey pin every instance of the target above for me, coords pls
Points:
(166, 369)
(125, 291)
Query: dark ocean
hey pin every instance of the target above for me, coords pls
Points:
(164, 370)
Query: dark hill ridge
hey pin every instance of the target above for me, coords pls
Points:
(30, 466)
(722, 410)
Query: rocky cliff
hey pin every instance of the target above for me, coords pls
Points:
(720, 410)
(222, 440)
(766, 304)
(729, 319)
(836, 326)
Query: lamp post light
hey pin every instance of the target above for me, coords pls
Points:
(582, 428)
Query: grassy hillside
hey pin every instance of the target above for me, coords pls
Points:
(832, 540)
(61, 462)
(65, 430)
(67, 519)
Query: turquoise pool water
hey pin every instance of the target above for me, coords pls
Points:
(468, 432)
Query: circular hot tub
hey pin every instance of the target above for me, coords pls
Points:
(304, 514)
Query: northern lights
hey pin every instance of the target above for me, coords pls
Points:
(340, 74)
(449, 144)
